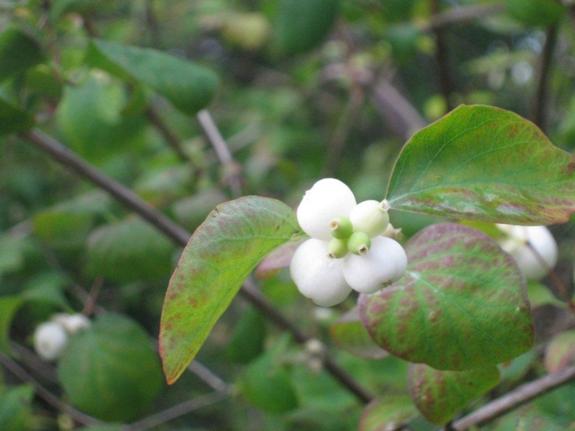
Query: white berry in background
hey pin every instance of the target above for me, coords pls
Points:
(385, 262)
(50, 340)
(326, 201)
(72, 323)
(369, 217)
(533, 248)
(318, 276)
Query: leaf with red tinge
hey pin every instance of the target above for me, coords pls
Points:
(461, 304)
(349, 334)
(218, 258)
(560, 353)
(484, 163)
(387, 414)
(440, 395)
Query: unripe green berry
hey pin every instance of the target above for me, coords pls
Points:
(341, 228)
(359, 243)
(370, 217)
(337, 248)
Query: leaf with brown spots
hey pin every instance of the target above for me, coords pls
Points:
(440, 395)
(218, 258)
(461, 304)
(484, 163)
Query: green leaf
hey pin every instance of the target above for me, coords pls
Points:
(11, 252)
(440, 395)
(301, 25)
(247, 340)
(387, 414)
(560, 353)
(188, 86)
(461, 304)
(350, 334)
(484, 163)
(18, 52)
(110, 371)
(267, 384)
(130, 250)
(9, 305)
(536, 12)
(15, 410)
(12, 119)
(218, 258)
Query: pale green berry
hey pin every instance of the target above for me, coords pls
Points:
(341, 228)
(337, 248)
(384, 263)
(318, 276)
(359, 243)
(72, 323)
(328, 200)
(369, 217)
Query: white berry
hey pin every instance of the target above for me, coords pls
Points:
(369, 217)
(318, 276)
(72, 323)
(327, 200)
(385, 262)
(50, 340)
(533, 248)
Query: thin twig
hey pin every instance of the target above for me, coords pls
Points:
(45, 394)
(399, 112)
(542, 93)
(462, 14)
(168, 135)
(232, 170)
(176, 411)
(180, 237)
(442, 59)
(515, 399)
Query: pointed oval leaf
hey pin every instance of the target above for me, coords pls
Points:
(111, 370)
(301, 25)
(18, 52)
(350, 335)
(188, 86)
(440, 395)
(484, 163)
(387, 414)
(9, 305)
(560, 353)
(129, 250)
(461, 304)
(218, 258)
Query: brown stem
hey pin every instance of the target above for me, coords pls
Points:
(515, 399)
(542, 93)
(180, 237)
(232, 170)
(442, 59)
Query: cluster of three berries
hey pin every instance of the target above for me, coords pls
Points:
(348, 249)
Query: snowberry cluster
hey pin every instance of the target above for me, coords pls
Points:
(51, 338)
(533, 248)
(348, 248)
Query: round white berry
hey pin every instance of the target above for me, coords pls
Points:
(327, 200)
(384, 262)
(537, 254)
(318, 276)
(369, 217)
(72, 323)
(50, 340)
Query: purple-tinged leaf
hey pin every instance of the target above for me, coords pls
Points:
(440, 395)
(484, 163)
(350, 335)
(461, 304)
(218, 258)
